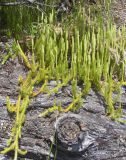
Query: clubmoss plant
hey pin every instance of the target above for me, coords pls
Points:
(87, 50)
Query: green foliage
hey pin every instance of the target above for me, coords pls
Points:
(10, 53)
(13, 143)
(17, 20)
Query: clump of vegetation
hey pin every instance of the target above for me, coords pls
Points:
(17, 21)
(84, 48)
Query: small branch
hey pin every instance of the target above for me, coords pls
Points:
(12, 3)
(26, 3)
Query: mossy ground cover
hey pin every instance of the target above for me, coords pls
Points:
(81, 47)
